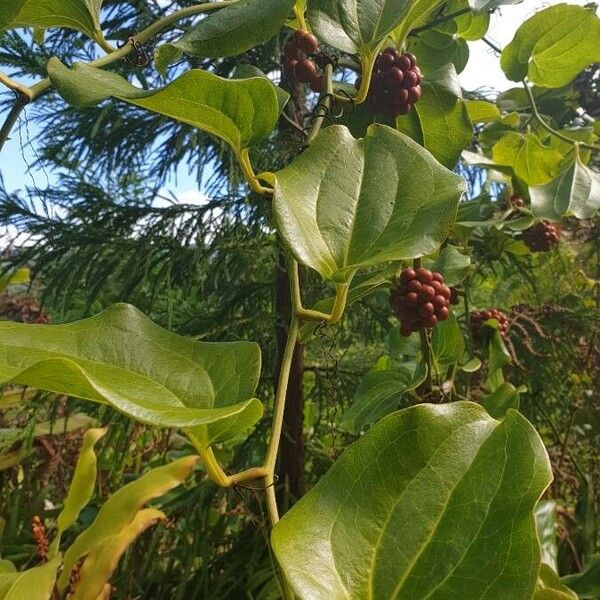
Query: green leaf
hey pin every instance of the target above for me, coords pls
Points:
(33, 583)
(435, 501)
(545, 518)
(378, 394)
(447, 342)
(437, 47)
(440, 117)
(531, 161)
(82, 485)
(81, 15)
(122, 358)
(501, 400)
(104, 557)
(498, 357)
(228, 31)
(553, 46)
(122, 507)
(240, 112)
(549, 586)
(480, 111)
(452, 264)
(14, 278)
(356, 26)
(347, 204)
(587, 583)
(576, 191)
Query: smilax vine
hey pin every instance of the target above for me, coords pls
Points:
(437, 500)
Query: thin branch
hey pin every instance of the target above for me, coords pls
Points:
(440, 21)
(13, 116)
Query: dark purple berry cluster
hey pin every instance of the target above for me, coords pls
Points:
(479, 317)
(296, 62)
(421, 300)
(395, 83)
(542, 236)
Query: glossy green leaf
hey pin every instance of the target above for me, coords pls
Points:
(346, 204)
(435, 501)
(7, 567)
(438, 47)
(17, 277)
(242, 112)
(82, 15)
(123, 506)
(356, 26)
(587, 583)
(501, 400)
(452, 264)
(576, 191)
(82, 485)
(545, 518)
(379, 393)
(447, 342)
(553, 46)
(104, 557)
(228, 31)
(440, 117)
(549, 586)
(531, 161)
(122, 358)
(480, 111)
(37, 582)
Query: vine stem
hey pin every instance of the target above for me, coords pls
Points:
(538, 117)
(37, 89)
(12, 117)
(425, 346)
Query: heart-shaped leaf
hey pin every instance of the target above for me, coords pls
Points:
(345, 204)
(440, 117)
(576, 191)
(229, 31)
(437, 47)
(122, 358)
(433, 502)
(356, 26)
(531, 161)
(242, 112)
(379, 393)
(82, 15)
(123, 506)
(553, 46)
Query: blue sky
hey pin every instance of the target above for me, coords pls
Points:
(483, 70)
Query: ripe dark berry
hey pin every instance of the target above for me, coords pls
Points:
(420, 300)
(542, 236)
(306, 41)
(395, 84)
(479, 317)
(297, 65)
(305, 70)
(292, 51)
